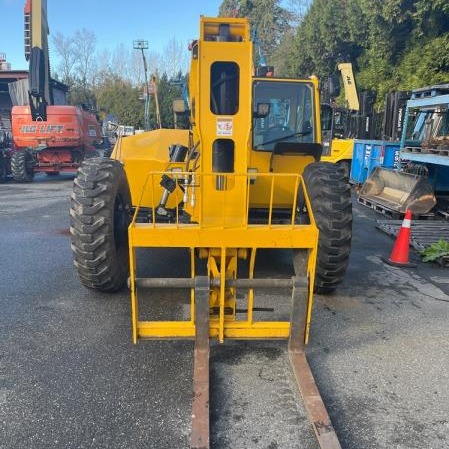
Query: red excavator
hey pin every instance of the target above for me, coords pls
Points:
(47, 137)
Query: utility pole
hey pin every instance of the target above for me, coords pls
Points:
(143, 45)
(156, 99)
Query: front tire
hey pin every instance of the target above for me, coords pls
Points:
(22, 163)
(330, 198)
(99, 216)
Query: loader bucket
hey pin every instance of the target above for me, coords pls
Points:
(398, 191)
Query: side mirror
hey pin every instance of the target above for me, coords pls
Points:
(333, 84)
(326, 117)
(267, 71)
(263, 109)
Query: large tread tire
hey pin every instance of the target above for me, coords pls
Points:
(100, 214)
(330, 198)
(22, 166)
(346, 167)
(3, 169)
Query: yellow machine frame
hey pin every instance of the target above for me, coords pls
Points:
(219, 201)
(222, 245)
(220, 229)
(341, 150)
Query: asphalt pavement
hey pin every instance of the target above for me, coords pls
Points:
(70, 376)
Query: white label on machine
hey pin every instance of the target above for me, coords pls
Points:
(224, 126)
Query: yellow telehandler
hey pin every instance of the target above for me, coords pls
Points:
(245, 177)
(337, 138)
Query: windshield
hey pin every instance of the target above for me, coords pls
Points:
(288, 113)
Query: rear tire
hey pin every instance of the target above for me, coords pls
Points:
(3, 169)
(100, 214)
(330, 198)
(22, 163)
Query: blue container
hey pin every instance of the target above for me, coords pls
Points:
(391, 154)
(369, 154)
(357, 163)
(366, 155)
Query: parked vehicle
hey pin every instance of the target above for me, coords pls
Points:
(5, 154)
(245, 176)
(47, 137)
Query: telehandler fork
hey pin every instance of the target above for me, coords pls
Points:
(245, 177)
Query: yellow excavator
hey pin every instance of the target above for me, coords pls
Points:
(246, 176)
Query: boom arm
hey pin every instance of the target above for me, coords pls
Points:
(36, 52)
(349, 85)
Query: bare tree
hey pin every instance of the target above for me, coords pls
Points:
(103, 61)
(137, 76)
(65, 50)
(155, 62)
(84, 50)
(298, 9)
(175, 58)
(121, 61)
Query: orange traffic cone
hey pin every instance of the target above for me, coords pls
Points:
(399, 254)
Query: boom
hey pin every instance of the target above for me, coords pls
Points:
(36, 33)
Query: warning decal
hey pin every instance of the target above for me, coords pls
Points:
(224, 126)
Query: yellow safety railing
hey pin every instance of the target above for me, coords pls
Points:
(222, 241)
(149, 199)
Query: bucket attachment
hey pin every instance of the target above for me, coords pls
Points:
(397, 191)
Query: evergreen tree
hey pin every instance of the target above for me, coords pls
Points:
(118, 97)
(269, 22)
(392, 44)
